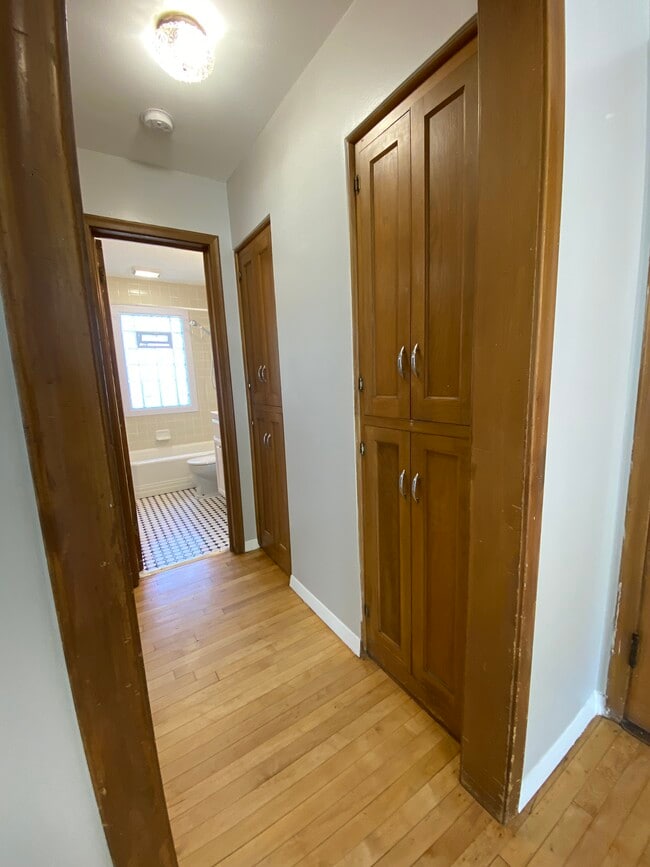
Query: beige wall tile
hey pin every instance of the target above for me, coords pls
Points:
(186, 427)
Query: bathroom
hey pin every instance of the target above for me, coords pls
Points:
(164, 354)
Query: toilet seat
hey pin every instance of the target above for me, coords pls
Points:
(202, 461)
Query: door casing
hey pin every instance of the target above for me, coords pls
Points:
(44, 266)
(521, 139)
(208, 245)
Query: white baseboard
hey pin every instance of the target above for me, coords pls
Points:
(251, 545)
(540, 772)
(329, 619)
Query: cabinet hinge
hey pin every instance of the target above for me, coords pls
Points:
(634, 649)
(362, 449)
(366, 611)
(360, 383)
(357, 184)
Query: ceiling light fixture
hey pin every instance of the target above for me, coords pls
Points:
(182, 47)
(147, 275)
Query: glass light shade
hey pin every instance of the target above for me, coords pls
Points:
(182, 47)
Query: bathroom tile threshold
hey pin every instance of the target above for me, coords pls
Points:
(180, 526)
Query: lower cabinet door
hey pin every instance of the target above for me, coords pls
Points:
(440, 539)
(270, 478)
(387, 548)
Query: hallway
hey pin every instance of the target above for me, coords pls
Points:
(278, 746)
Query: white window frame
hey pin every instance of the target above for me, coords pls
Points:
(152, 310)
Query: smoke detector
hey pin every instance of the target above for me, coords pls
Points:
(157, 119)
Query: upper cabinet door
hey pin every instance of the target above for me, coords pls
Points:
(384, 270)
(257, 293)
(444, 165)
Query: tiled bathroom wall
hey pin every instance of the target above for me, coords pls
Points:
(185, 427)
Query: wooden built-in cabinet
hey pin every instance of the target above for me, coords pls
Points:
(259, 333)
(416, 236)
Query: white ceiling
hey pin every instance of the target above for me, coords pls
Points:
(175, 266)
(266, 46)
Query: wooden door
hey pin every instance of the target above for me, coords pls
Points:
(269, 468)
(387, 547)
(128, 508)
(440, 540)
(384, 271)
(637, 708)
(444, 147)
(257, 303)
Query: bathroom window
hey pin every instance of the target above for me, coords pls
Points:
(155, 360)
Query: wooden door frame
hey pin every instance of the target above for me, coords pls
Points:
(101, 228)
(47, 289)
(60, 370)
(263, 224)
(521, 140)
(637, 522)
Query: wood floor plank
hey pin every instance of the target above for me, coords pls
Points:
(263, 830)
(457, 838)
(563, 839)
(278, 746)
(630, 843)
(415, 809)
(602, 832)
(547, 812)
(604, 776)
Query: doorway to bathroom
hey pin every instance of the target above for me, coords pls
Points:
(161, 324)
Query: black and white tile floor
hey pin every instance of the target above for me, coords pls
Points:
(180, 526)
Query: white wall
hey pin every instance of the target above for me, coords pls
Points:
(296, 173)
(599, 318)
(115, 187)
(48, 813)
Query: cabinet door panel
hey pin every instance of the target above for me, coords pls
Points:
(387, 554)
(444, 167)
(269, 470)
(439, 561)
(257, 302)
(384, 275)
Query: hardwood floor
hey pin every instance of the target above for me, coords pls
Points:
(278, 746)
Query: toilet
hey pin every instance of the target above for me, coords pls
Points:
(204, 471)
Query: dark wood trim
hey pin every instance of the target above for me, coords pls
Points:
(246, 241)
(148, 233)
(208, 245)
(48, 289)
(637, 521)
(521, 86)
(521, 82)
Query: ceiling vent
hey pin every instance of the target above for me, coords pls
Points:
(157, 119)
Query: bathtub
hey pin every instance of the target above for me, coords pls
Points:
(163, 469)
